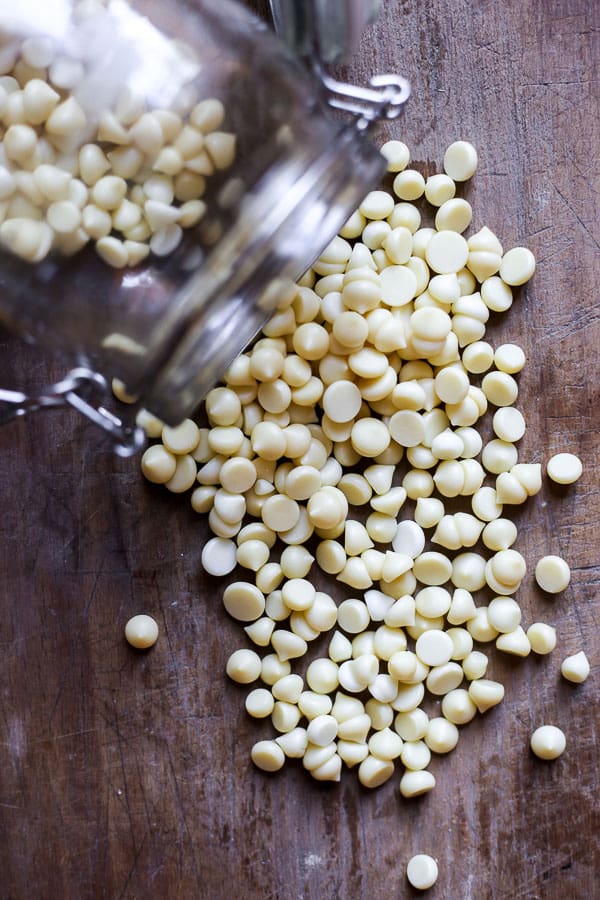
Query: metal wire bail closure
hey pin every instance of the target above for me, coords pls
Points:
(329, 31)
(77, 389)
(383, 99)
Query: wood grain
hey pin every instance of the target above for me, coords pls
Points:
(127, 775)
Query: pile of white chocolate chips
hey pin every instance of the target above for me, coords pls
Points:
(128, 180)
(364, 398)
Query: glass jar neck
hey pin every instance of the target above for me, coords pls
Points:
(282, 227)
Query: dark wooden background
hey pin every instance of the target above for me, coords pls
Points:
(124, 775)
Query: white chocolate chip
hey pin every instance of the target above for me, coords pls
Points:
(564, 468)
(548, 742)
(268, 756)
(575, 668)
(460, 161)
(141, 632)
(552, 574)
(397, 155)
(244, 666)
(542, 637)
(422, 871)
(517, 266)
(219, 556)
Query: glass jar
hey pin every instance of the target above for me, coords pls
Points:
(167, 170)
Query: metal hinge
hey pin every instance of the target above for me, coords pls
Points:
(78, 389)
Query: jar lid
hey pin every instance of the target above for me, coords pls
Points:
(326, 30)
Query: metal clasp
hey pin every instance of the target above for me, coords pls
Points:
(326, 32)
(77, 390)
(384, 98)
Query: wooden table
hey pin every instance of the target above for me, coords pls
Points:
(124, 775)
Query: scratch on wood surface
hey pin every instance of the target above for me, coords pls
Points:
(132, 868)
(541, 876)
(67, 734)
(67, 668)
(576, 216)
(126, 792)
(16, 744)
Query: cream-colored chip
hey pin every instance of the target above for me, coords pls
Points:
(516, 643)
(244, 666)
(444, 678)
(396, 154)
(548, 742)
(452, 384)
(244, 601)
(434, 648)
(496, 295)
(564, 468)
(298, 594)
(454, 215)
(460, 160)
(184, 476)
(552, 574)
(280, 513)
(478, 357)
(446, 252)
(429, 511)
(509, 358)
(370, 437)
(398, 286)
(542, 638)
(475, 665)
(398, 245)
(499, 456)
(504, 614)
(141, 632)
(430, 324)
(158, 464)
(342, 401)
(259, 703)
(377, 205)
(434, 600)
(458, 707)
(485, 693)
(517, 266)
(409, 185)
(407, 428)
(441, 735)
(414, 784)
(575, 668)
(439, 189)
(219, 556)
(500, 388)
(268, 756)
(508, 424)
(432, 568)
